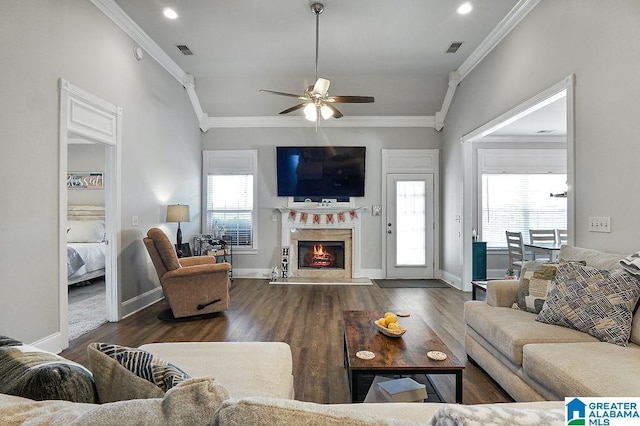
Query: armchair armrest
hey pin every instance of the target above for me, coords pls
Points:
(502, 293)
(188, 271)
(196, 260)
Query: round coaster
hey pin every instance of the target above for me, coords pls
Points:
(403, 314)
(437, 355)
(365, 354)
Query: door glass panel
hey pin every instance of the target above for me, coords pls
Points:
(410, 223)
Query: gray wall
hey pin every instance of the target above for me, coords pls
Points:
(43, 41)
(598, 41)
(266, 140)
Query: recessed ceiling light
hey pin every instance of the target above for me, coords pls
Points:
(465, 8)
(169, 13)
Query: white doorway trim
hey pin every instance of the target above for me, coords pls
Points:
(84, 115)
(412, 161)
(565, 87)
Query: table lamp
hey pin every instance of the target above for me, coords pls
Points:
(178, 213)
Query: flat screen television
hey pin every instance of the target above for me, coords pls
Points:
(320, 171)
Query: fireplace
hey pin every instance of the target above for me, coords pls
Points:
(320, 254)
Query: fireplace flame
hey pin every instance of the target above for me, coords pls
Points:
(318, 250)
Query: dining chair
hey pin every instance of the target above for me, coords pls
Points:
(542, 236)
(561, 236)
(515, 247)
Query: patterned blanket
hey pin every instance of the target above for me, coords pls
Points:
(631, 263)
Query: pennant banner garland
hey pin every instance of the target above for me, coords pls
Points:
(318, 217)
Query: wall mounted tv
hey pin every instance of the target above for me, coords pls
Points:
(320, 171)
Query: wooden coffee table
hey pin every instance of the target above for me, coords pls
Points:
(404, 355)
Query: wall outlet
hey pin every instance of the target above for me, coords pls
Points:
(134, 220)
(599, 223)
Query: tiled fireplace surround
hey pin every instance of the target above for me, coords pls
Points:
(347, 231)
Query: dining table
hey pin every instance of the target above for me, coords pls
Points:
(552, 248)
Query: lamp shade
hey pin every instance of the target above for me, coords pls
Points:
(178, 213)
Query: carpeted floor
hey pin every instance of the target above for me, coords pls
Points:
(87, 307)
(410, 283)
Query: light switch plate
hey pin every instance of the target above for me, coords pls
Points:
(599, 223)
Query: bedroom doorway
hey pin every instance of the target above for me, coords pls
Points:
(96, 123)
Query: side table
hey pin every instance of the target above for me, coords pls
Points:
(475, 285)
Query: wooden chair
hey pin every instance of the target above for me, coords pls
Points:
(542, 236)
(193, 286)
(561, 236)
(515, 247)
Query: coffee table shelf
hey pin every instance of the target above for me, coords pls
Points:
(404, 355)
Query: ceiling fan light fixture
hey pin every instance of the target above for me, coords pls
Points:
(326, 112)
(310, 112)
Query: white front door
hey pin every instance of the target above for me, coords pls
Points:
(410, 226)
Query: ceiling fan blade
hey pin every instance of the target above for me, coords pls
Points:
(321, 87)
(291, 95)
(293, 108)
(336, 113)
(351, 99)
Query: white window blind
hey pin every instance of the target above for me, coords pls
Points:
(230, 207)
(519, 202)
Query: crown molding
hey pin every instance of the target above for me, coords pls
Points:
(298, 121)
(503, 28)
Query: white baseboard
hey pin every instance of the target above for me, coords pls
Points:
(138, 303)
(52, 343)
(454, 281)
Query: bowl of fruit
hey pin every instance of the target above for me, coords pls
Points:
(388, 325)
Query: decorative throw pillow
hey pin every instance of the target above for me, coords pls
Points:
(32, 373)
(535, 280)
(598, 302)
(123, 373)
(452, 414)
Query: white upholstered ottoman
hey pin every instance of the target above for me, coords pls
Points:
(244, 368)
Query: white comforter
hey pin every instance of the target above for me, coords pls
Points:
(93, 255)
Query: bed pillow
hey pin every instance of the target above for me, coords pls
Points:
(597, 302)
(85, 231)
(32, 373)
(123, 373)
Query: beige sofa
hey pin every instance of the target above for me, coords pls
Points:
(534, 361)
(251, 383)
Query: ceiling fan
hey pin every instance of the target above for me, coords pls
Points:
(317, 101)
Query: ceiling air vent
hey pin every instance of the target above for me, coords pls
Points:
(184, 49)
(453, 48)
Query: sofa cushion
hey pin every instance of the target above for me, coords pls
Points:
(595, 301)
(275, 411)
(595, 258)
(36, 374)
(535, 280)
(192, 402)
(510, 329)
(123, 373)
(584, 369)
(244, 368)
(494, 415)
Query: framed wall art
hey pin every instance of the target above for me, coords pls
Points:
(85, 180)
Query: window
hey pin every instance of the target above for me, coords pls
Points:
(230, 207)
(519, 202)
(514, 187)
(229, 194)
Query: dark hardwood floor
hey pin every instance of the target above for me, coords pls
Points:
(309, 319)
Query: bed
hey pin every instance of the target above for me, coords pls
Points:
(86, 246)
